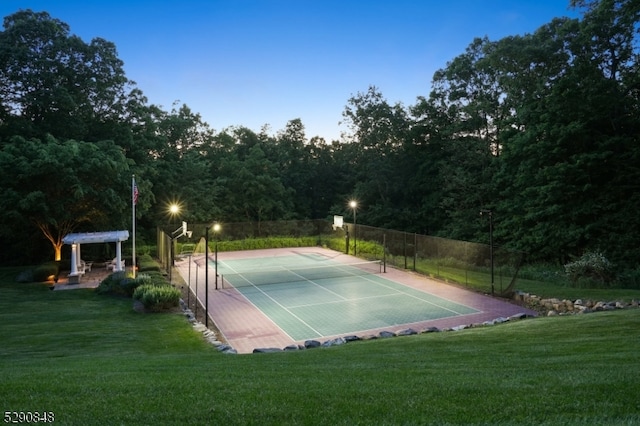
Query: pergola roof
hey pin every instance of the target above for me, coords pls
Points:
(96, 237)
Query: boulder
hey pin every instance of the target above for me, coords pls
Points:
(266, 350)
(311, 344)
(334, 342)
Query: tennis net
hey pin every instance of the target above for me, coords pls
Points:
(302, 274)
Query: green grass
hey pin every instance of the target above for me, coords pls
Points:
(479, 280)
(91, 359)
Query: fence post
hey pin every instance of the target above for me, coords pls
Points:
(384, 252)
(404, 249)
(415, 250)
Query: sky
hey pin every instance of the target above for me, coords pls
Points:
(257, 63)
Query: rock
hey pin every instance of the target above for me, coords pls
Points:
(199, 327)
(431, 330)
(292, 348)
(352, 338)
(266, 350)
(458, 327)
(334, 342)
(369, 337)
(224, 348)
(311, 344)
(518, 316)
(407, 332)
(385, 334)
(552, 313)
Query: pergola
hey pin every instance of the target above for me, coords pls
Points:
(76, 240)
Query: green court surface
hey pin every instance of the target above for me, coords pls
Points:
(310, 296)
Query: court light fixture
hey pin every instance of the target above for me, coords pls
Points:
(354, 205)
(216, 228)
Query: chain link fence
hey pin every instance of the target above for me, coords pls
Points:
(472, 265)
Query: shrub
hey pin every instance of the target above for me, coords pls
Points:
(44, 271)
(147, 264)
(122, 283)
(591, 270)
(630, 278)
(157, 298)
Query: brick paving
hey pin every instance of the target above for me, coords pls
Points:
(245, 327)
(90, 279)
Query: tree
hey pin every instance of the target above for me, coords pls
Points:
(51, 82)
(378, 133)
(61, 186)
(252, 189)
(465, 116)
(570, 172)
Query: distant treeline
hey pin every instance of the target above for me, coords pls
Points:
(541, 129)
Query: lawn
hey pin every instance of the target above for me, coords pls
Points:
(91, 359)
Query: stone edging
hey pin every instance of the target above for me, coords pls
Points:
(211, 336)
(548, 307)
(552, 307)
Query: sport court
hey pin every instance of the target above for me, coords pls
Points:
(278, 297)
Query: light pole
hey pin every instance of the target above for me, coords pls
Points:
(216, 229)
(354, 204)
(490, 213)
(206, 276)
(174, 209)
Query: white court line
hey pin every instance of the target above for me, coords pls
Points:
(278, 304)
(396, 293)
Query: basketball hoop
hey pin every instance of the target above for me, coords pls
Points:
(338, 222)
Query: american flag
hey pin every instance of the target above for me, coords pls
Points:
(135, 193)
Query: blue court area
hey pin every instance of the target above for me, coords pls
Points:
(311, 295)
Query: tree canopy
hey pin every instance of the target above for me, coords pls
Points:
(540, 128)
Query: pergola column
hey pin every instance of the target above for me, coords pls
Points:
(74, 259)
(118, 266)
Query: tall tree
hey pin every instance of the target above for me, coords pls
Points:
(378, 132)
(252, 189)
(464, 116)
(51, 82)
(63, 186)
(571, 170)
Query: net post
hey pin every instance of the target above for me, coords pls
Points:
(384, 253)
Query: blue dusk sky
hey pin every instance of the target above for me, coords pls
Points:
(264, 62)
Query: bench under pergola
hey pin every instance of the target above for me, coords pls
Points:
(76, 240)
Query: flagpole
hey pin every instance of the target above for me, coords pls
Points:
(133, 220)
